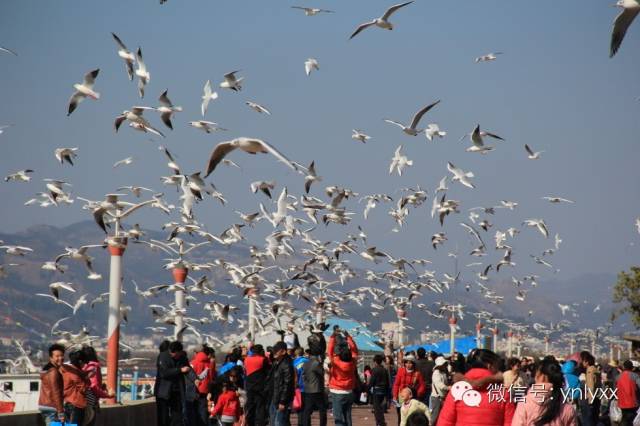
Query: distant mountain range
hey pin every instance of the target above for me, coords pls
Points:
(24, 314)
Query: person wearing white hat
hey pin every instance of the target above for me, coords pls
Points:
(439, 387)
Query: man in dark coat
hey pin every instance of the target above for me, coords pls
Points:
(170, 386)
(257, 369)
(424, 365)
(314, 395)
(281, 385)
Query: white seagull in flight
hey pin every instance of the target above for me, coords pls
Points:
(381, 22)
(630, 9)
(312, 11)
(128, 56)
(207, 96)
(83, 90)
(249, 145)
(412, 128)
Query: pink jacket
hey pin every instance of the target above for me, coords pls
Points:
(528, 412)
(92, 368)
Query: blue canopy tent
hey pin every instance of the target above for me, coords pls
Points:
(463, 345)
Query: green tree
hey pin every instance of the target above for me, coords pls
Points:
(627, 293)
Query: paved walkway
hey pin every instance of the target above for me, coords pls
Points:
(361, 416)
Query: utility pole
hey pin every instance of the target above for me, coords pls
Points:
(252, 294)
(452, 333)
(495, 332)
(479, 334)
(509, 344)
(546, 345)
(117, 246)
(180, 273)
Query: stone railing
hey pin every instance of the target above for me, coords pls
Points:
(134, 413)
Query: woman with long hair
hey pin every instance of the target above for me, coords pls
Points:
(545, 403)
(75, 385)
(95, 391)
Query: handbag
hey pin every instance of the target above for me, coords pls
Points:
(615, 413)
(364, 397)
(297, 400)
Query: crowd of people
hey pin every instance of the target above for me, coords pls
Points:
(273, 385)
(71, 392)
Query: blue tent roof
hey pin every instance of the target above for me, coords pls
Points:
(365, 340)
(463, 345)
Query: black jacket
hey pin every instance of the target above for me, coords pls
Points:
(282, 381)
(169, 378)
(313, 375)
(379, 381)
(425, 367)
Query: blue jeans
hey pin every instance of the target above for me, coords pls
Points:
(279, 418)
(49, 416)
(342, 408)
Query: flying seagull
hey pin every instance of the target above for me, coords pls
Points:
(248, 145)
(128, 56)
(358, 135)
(4, 49)
(231, 82)
(412, 128)
(83, 90)
(310, 65)
(488, 57)
(532, 155)
(630, 9)
(66, 154)
(556, 200)
(124, 161)
(257, 107)
(205, 126)
(142, 73)
(312, 11)
(460, 175)
(207, 96)
(433, 130)
(166, 109)
(138, 122)
(399, 162)
(381, 22)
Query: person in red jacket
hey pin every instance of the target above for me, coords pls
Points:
(227, 406)
(408, 377)
(343, 355)
(628, 386)
(494, 409)
(202, 365)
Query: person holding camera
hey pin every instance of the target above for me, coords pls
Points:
(343, 354)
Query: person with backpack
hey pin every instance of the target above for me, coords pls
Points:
(343, 354)
(628, 392)
(298, 363)
(227, 407)
(379, 387)
(408, 377)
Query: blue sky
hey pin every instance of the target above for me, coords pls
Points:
(554, 88)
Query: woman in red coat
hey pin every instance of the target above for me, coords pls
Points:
(408, 377)
(482, 406)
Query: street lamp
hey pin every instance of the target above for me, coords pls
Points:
(116, 210)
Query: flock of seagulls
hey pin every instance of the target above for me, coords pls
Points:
(296, 271)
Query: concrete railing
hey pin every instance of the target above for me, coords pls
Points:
(135, 413)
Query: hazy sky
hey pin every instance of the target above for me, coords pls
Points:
(554, 88)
